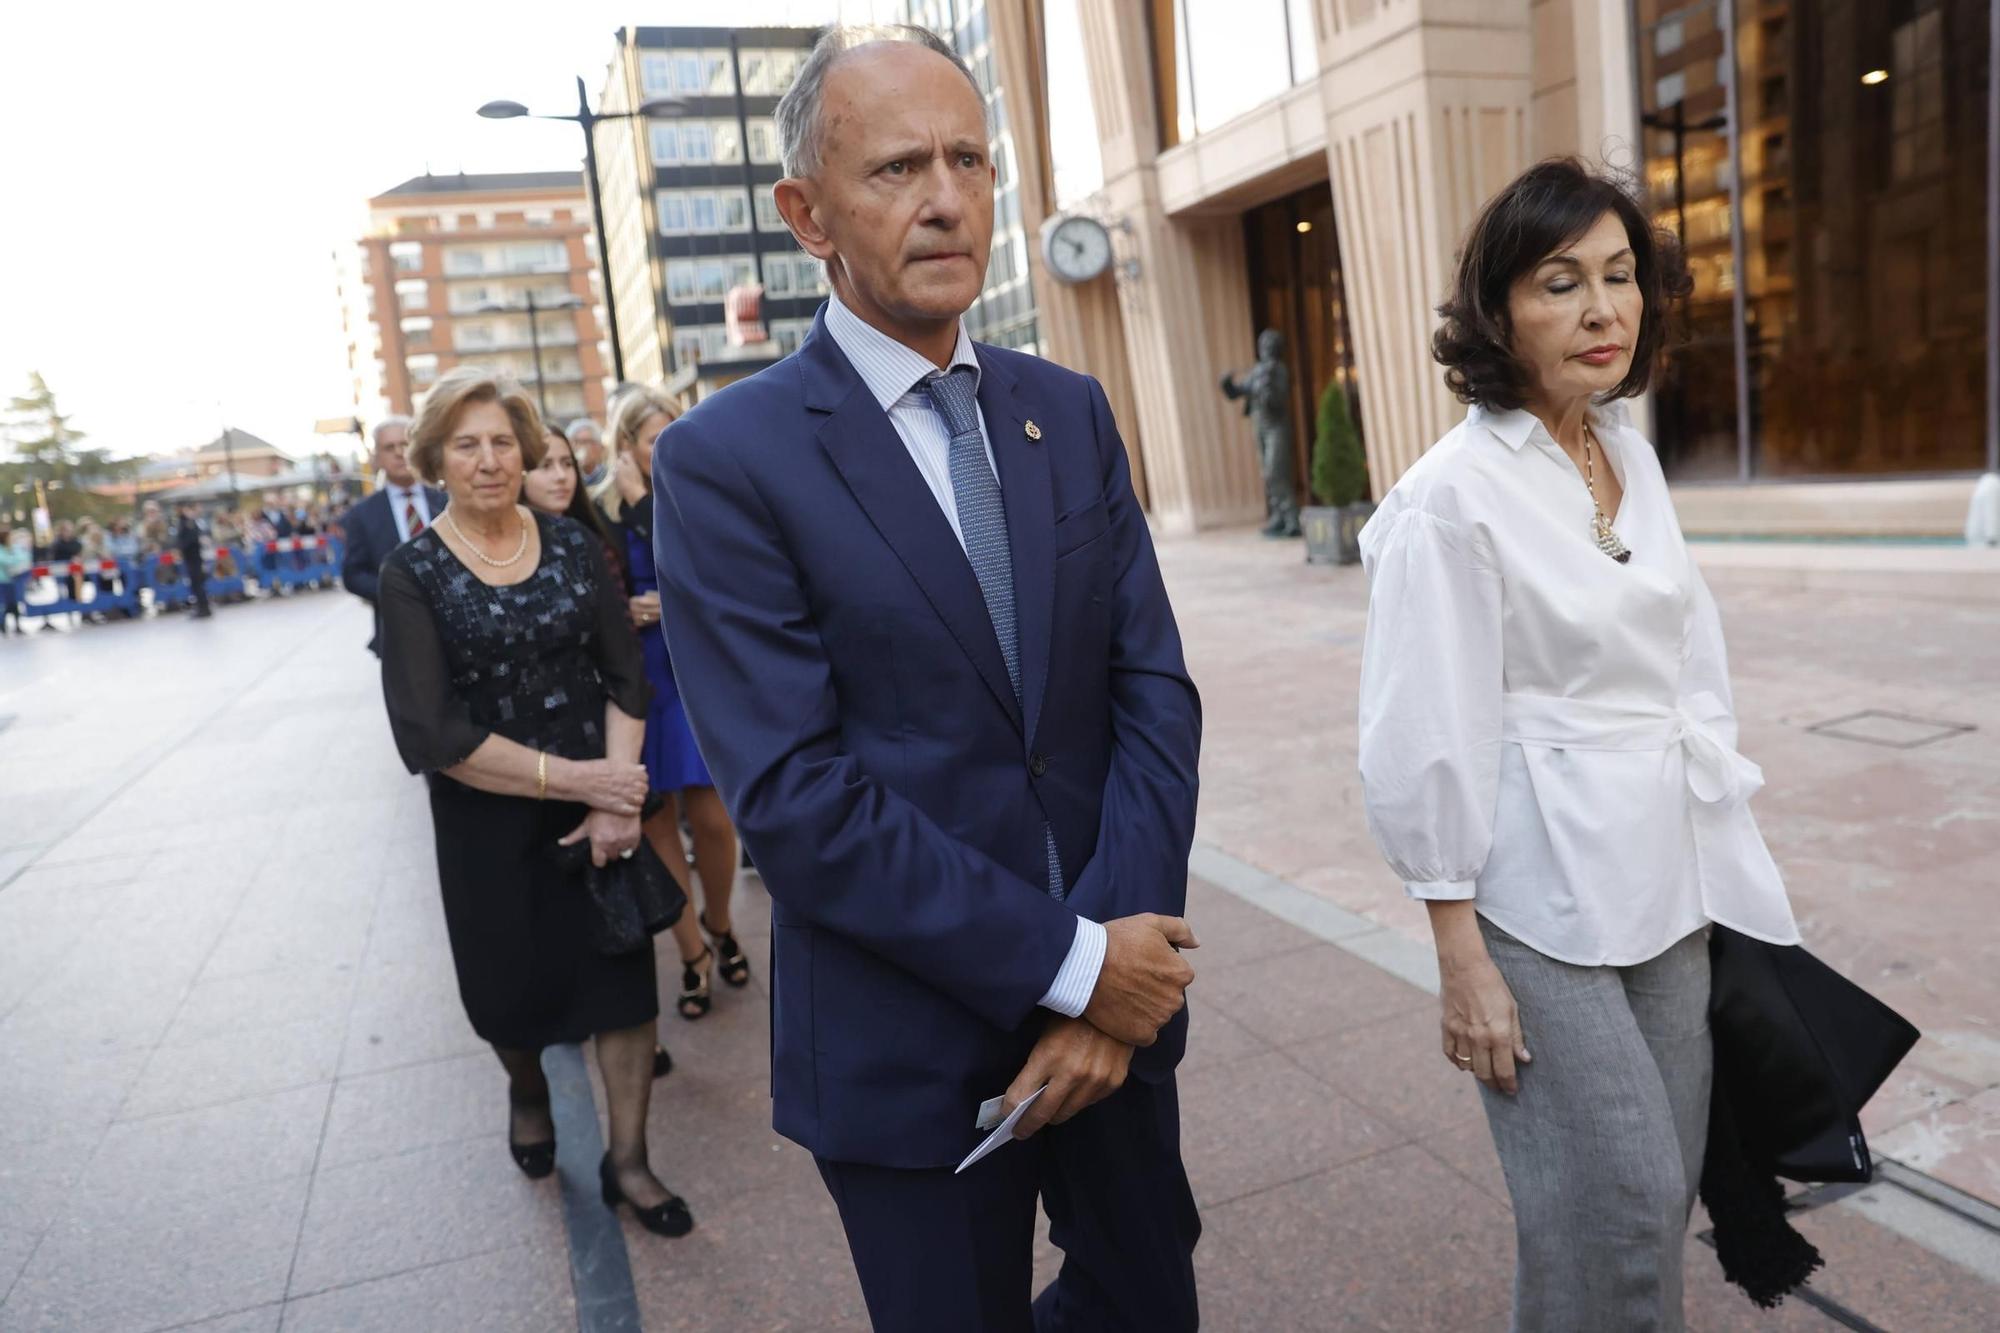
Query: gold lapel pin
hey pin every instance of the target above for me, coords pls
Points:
(1034, 431)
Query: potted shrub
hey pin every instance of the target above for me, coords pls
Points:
(1339, 483)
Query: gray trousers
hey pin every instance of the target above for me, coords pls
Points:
(1602, 1146)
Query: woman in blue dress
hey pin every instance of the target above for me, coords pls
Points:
(673, 763)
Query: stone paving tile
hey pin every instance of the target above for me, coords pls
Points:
(220, 1006)
(417, 1106)
(372, 1219)
(1306, 993)
(1958, 1143)
(260, 1319)
(237, 1143)
(234, 1066)
(1233, 932)
(1396, 1069)
(525, 1289)
(773, 1258)
(1441, 1257)
(406, 1014)
(1262, 1121)
(83, 1098)
(174, 1262)
(16, 1244)
(1214, 1038)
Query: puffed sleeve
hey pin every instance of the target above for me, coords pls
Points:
(1431, 681)
(620, 660)
(432, 726)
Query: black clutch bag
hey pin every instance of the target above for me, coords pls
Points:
(1799, 1050)
(632, 898)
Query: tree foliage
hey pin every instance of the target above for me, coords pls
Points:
(44, 447)
(1339, 470)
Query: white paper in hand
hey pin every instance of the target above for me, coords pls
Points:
(1004, 1132)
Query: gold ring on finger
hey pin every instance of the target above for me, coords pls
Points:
(1462, 1059)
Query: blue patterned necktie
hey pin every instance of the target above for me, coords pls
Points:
(982, 520)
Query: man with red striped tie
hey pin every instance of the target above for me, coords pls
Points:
(399, 509)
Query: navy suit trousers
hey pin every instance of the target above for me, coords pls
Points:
(938, 1251)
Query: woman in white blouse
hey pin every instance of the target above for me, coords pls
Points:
(1548, 748)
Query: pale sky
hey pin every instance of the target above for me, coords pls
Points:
(178, 175)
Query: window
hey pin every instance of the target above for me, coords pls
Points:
(809, 279)
(742, 271)
(472, 335)
(540, 217)
(687, 346)
(735, 210)
(534, 257)
(714, 278)
(666, 142)
(656, 75)
(726, 140)
(423, 368)
(417, 330)
(1670, 89)
(695, 145)
(777, 275)
(763, 140)
(768, 217)
(680, 281)
(406, 256)
(719, 78)
(784, 68)
(673, 210)
(701, 210)
(714, 342)
(413, 294)
(756, 74)
(461, 262)
(1667, 38)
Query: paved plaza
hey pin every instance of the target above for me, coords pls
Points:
(238, 1092)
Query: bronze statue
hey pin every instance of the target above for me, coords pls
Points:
(1266, 391)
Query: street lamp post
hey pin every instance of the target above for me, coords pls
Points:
(587, 120)
(534, 338)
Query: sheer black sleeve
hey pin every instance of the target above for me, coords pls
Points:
(620, 660)
(432, 725)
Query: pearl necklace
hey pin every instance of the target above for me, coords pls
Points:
(1600, 527)
(480, 555)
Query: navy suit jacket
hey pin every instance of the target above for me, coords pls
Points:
(370, 530)
(847, 690)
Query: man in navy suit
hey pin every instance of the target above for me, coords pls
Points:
(921, 633)
(399, 509)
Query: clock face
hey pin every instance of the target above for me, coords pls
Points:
(1076, 248)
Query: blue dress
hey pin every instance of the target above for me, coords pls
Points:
(670, 755)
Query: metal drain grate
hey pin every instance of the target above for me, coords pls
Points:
(1893, 730)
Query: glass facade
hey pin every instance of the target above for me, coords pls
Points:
(1004, 314)
(1838, 325)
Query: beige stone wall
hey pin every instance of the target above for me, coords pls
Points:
(1423, 109)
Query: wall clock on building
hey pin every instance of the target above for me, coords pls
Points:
(1075, 248)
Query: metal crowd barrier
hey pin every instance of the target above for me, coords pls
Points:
(70, 577)
(314, 562)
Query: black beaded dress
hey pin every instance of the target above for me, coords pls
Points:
(534, 662)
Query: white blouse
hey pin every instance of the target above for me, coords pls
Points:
(1544, 730)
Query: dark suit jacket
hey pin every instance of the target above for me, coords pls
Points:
(371, 535)
(848, 692)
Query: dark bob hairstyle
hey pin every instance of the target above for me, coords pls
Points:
(1547, 207)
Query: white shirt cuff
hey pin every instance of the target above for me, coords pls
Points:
(1440, 890)
(1069, 993)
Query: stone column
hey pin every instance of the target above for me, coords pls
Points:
(1185, 303)
(1080, 326)
(1427, 114)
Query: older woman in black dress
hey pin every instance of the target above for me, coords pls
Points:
(514, 681)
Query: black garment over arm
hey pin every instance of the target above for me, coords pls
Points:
(620, 660)
(433, 728)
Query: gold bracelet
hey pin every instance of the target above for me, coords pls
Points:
(542, 776)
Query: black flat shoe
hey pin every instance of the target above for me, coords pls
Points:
(663, 1064)
(536, 1160)
(671, 1218)
(729, 959)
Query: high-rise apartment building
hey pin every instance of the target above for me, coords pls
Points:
(687, 199)
(449, 272)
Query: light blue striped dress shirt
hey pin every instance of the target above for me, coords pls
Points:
(893, 373)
